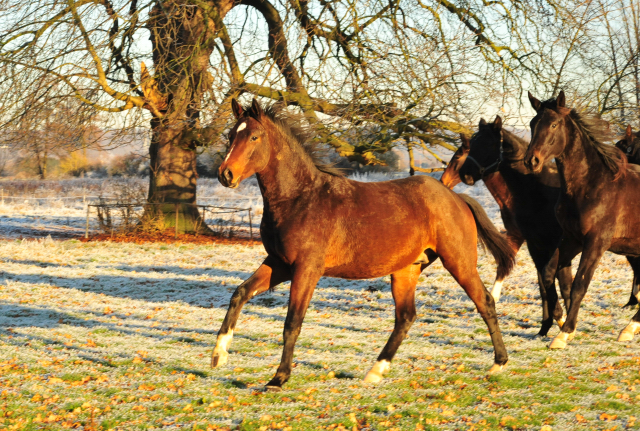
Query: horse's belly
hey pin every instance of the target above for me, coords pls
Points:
(372, 263)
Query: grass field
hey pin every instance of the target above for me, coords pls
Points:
(108, 335)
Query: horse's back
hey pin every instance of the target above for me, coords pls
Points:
(384, 226)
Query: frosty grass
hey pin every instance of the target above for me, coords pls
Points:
(110, 335)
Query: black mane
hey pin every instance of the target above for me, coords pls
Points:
(301, 137)
(597, 133)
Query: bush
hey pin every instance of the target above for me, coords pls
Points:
(129, 165)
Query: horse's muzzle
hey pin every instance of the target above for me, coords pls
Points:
(226, 178)
(533, 163)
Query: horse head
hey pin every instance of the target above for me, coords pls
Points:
(451, 176)
(484, 155)
(548, 131)
(249, 151)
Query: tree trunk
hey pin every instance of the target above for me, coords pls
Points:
(182, 36)
(172, 183)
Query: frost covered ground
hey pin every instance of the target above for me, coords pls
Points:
(110, 335)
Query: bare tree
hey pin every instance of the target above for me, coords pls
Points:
(369, 75)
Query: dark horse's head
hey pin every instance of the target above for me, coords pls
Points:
(555, 127)
(548, 131)
(247, 155)
(451, 176)
(484, 156)
(630, 146)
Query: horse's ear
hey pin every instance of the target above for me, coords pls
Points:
(236, 109)
(482, 122)
(560, 100)
(497, 123)
(628, 135)
(256, 109)
(535, 103)
(465, 141)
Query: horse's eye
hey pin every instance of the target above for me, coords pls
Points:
(254, 138)
(554, 125)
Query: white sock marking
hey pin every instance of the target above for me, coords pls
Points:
(224, 340)
(497, 288)
(629, 331)
(375, 374)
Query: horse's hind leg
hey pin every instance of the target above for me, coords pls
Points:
(271, 273)
(635, 286)
(633, 327)
(463, 269)
(403, 288)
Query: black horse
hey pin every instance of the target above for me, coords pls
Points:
(598, 209)
(534, 197)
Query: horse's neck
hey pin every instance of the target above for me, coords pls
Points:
(288, 175)
(498, 188)
(513, 151)
(579, 165)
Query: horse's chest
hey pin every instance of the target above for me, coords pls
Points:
(289, 237)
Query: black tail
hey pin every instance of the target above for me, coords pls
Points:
(489, 237)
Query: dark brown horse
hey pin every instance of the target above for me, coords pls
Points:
(598, 209)
(498, 189)
(317, 223)
(495, 150)
(630, 146)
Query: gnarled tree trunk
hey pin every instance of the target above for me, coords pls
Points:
(182, 36)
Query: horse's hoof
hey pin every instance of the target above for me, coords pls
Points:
(495, 369)
(375, 374)
(571, 335)
(372, 377)
(560, 322)
(270, 388)
(629, 331)
(218, 359)
(560, 341)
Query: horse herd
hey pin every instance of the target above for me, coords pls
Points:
(565, 192)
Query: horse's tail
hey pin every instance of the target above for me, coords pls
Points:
(489, 237)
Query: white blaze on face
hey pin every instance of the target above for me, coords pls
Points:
(241, 127)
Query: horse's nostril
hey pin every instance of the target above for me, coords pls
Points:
(535, 161)
(228, 175)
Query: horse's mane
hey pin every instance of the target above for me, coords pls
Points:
(300, 137)
(520, 147)
(597, 133)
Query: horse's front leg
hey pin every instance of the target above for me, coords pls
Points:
(594, 248)
(403, 289)
(271, 273)
(304, 280)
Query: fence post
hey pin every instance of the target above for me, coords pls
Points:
(177, 221)
(250, 225)
(86, 232)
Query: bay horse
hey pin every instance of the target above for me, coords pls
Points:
(498, 189)
(496, 151)
(318, 223)
(598, 209)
